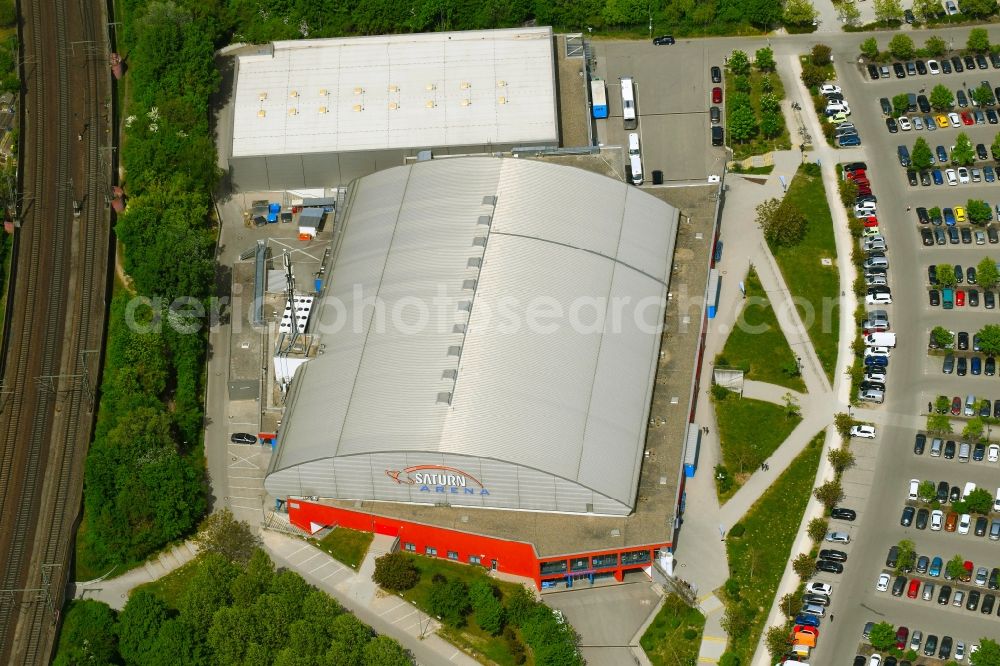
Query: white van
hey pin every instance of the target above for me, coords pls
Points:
(996, 501)
(635, 161)
(963, 452)
(969, 487)
(633, 143)
(914, 486)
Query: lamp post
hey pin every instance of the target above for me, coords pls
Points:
(798, 364)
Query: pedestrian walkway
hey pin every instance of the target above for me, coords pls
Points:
(115, 591)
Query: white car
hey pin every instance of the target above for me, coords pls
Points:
(959, 651)
(877, 280)
(963, 175)
(876, 660)
(996, 501)
(950, 7)
(866, 209)
(819, 588)
(933, 67)
(993, 453)
(865, 431)
(875, 374)
(955, 119)
(877, 351)
(838, 537)
(880, 298)
(951, 176)
(964, 523)
(829, 89)
(883, 582)
(904, 124)
(937, 519)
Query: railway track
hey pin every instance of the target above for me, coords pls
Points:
(57, 316)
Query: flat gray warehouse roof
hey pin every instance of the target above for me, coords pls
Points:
(396, 91)
(521, 309)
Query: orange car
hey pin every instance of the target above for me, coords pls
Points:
(951, 521)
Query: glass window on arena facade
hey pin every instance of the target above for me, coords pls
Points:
(635, 557)
(604, 561)
(548, 568)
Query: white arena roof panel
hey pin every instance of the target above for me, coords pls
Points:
(569, 399)
(396, 91)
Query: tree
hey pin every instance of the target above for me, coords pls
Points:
(926, 491)
(889, 11)
(485, 601)
(848, 192)
(955, 567)
(384, 651)
(741, 83)
(843, 422)
(907, 553)
(900, 104)
(783, 223)
(869, 48)
(938, 424)
(995, 146)
(799, 12)
(87, 635)
(883, 636)
(449, 600)
(737, 618)
(946, 275)
(979, 501)
(935, 46)
(849, 12)
(770, 103)
(943, 337)
(989, 339)
(841, 459)
(776, 640)
(942, 404)
(925, 9)
(813, 75)
(921, 156)
(742, 124)
(988, 653)
(792, 407)
(979, 40)
(830, 493)
(222, 533)
(764, 58)
(963, 154)
(395, 571)
(771, 124)
(817, 529)
(942, 99)
(790, 604)
(978, 8)
(138, 626)
(982, 95)
(979, 211)
(739, 63)
(987, 274)
(901, 46)
(804, 565)
(820, 55)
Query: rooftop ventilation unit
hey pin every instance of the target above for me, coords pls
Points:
(466, 102)
(393, 88)
(358, 90)
(455, 350)
(293, 94)
(501, 84)
(429, 87)
(323, 109)
(430, 104)
(469, 285)
(451, 374)
(293, 111)
(501, 100)
(262, 97)
(465, 85)
(474, 262)
(261, 113)
(485, 219)
(393, 106)
(323, 92)
(444, 398)
(479, 241)
(357, 108)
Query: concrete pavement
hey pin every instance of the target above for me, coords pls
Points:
(114, 591)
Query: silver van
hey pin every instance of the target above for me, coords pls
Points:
(963, 452)
(928, 595)
(970, 405)
(936, 445)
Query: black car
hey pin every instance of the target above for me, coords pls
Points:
(996, 409)
(911, 176)
(944, 594)
(925, 178)
(981, 524)
(945, 650)
(829, 566)
(899, 70)
(956, 492)
(988, 602)
(949, 450)
(989, 300)
(932, 274)
(981, 151)
(994, 583)
(979, 450)
(970, 275)
(963, 340)
(961, 99)
(984, 412)
(973, 298)
(856, 166)
(873, 72)
(898, 586)
(893, 557)
(995, 59)
(841, 513)
(945, 66)
(942, 491)
(970, 62)
(981, 62)
(935, 297)
(921, 521)
(966, 235)
(860, 660)
(953, 235)
(956, 62)
(925, 106)
(991, 117)
(833, 555)
(242, 438)
(972, 601)
(989, 369)
(919, 442)
(911, 68)
(716, 75)
(667, 40)
(922, 215)
(910, 18)
(991, 234)
(891, 125)
(959, 274)
(907, 518)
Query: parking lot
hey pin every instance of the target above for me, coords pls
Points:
(878, 486)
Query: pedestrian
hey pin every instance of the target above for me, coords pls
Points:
(831, 618)
(767, 468)
(930, 408)
(908, 208)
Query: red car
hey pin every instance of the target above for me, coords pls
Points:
(901, 635)
(956, 406)
(967, 118)
(871, 221)
(911, 592)
(855, 175)
(959, 298)
(805, 629)
(716, 95)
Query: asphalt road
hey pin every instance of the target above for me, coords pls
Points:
(879, 490)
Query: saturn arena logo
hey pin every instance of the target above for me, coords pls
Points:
(438, 479)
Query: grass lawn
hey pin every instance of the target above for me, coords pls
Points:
(764, 356)
(815, 286)
(758, 144)
(749, 430)
(345, 545)
(665, 642)
(470, 638)
(170, 587)
(758, 556)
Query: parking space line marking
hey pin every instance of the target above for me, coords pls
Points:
(240, 506)
(296, 552)
(386, 612)
(404, 617)
(311, 557)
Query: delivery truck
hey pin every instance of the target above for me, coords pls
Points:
(880, 340)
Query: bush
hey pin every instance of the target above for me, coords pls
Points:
(395, 572)
(820, 55)
(690, 634)
(729, 659)
(449, 600)
(732, 587)
(817, 529)
(812, 75)
(737, 530)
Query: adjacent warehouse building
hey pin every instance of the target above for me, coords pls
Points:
(319, 113)
(491, 331)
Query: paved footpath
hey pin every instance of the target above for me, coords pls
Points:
(115, 591)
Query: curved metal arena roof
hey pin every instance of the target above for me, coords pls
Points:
(518, 313)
